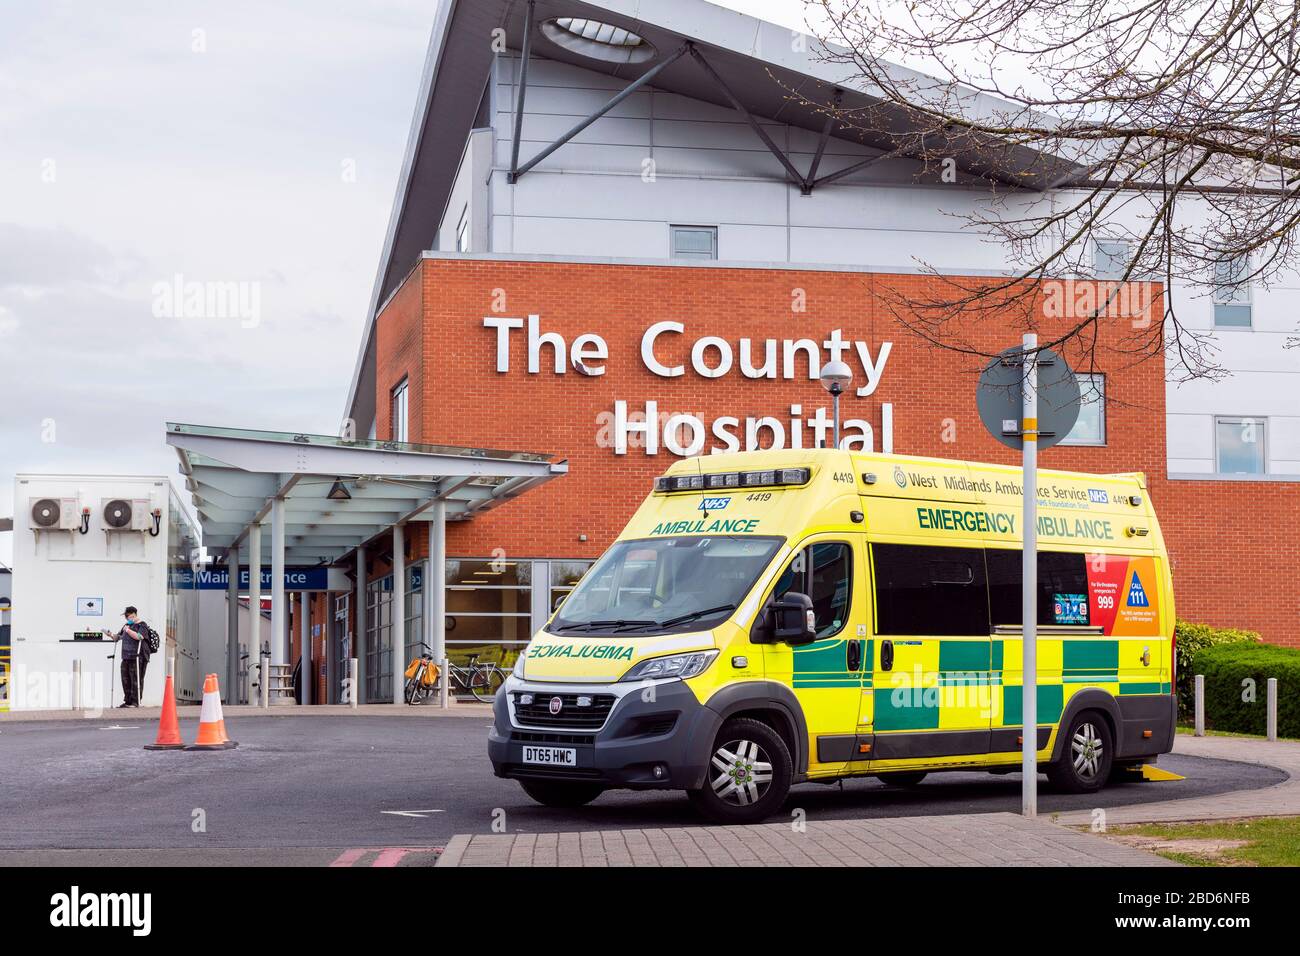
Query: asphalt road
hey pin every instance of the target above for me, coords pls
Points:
(310, 790)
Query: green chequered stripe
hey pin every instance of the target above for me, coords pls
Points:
(1095, 656)
(1051, 701)
(822, 664)
(998, 650)
(905, 708)
(967, 680)
(972, 655)
(1152, 688)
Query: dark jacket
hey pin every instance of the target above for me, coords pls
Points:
(130, 646)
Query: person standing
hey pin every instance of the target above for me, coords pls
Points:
(136, 649)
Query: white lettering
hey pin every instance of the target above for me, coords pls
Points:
(873, 370)
(503, 327)
(724, 355)
(536, 339)
(648, 349)
(648, 426)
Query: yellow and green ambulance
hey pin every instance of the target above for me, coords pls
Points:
(770, 618)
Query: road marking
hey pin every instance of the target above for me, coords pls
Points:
(385, 856)
(349, 857)
(418, 814)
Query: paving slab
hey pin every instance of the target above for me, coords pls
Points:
(970, 839)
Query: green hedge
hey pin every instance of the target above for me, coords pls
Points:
(1191, 639)
(1228, 666)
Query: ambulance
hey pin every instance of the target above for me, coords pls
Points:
(779, 617)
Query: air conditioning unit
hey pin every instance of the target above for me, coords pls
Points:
(56, 514)
(128, 514)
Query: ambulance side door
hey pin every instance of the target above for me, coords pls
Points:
(932, 668)
(827, 674)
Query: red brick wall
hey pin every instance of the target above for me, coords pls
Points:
(397, 346)
(459, 398)
(1234, 552)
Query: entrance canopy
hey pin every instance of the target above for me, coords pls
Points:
(337, 494)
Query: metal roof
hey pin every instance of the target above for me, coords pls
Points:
(233, 475)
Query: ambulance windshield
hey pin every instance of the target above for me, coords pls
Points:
(665, 585)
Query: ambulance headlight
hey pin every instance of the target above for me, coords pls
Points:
(674, 665)
(518, 669)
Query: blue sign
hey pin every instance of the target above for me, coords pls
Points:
(218, 579)
(1137, 595)
(1070, 608)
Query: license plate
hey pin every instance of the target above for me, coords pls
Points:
(552, 756)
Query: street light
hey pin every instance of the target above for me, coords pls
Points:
(835, 377)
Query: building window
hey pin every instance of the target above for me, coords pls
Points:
(1110, 258)
(379, 640)
(1090, 429)
(824, 572)
(413, 626)
(399, 428)
(489, 609)
(694, 242)
(937, 592)
(1239, 446)
(565, 576)
(462, 230)
(1232, 297)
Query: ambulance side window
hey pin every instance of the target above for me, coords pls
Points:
(924, 590)
(1062, 587)
(824, 572)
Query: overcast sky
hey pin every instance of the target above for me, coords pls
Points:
(215, 142)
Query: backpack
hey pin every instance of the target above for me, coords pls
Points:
(152, 638)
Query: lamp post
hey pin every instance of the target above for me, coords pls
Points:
(835, 377)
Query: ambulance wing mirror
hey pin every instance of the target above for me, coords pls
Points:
(793, 620)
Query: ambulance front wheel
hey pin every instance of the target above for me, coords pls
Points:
(561, 793)
(1086, 755)
(749, 774)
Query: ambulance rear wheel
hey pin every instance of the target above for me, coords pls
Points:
(1086, 755)
(748, 776)
(561, 794)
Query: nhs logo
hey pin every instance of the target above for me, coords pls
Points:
(1137, 596)
(714, 504)
(1098, 496)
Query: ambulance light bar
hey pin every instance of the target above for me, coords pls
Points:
(723, 481)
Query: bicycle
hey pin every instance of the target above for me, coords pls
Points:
(482, 680)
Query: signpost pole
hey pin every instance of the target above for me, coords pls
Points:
(1029, 585)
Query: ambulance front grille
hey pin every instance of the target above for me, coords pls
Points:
(570, 717)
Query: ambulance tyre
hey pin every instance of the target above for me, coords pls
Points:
(561, 794)
(1086, 755)
(749, 774)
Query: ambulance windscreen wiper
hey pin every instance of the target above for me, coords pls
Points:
(588, 625)
(705, 612)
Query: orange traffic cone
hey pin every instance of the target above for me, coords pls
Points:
(169, 729)
(212, 726)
